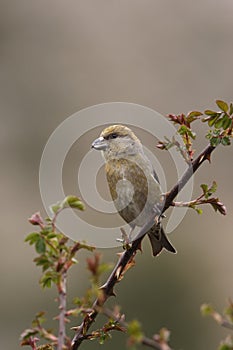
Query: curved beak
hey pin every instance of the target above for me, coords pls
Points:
(99, 144)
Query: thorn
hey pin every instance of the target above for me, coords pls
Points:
(75, 328)
(140, 247)
(201, 159)
(120, 254)
(208, 157)
(110, 292)
(103, 286)
(118, 272)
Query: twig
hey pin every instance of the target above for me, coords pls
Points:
(221, 320)
(227, 324)
(205, 155)
(129, 254)
(151, 343)
(62, 313)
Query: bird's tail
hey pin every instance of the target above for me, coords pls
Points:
(159, 240)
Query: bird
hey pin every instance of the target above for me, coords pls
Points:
(133, 183)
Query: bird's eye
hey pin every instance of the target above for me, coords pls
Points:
(112, 136)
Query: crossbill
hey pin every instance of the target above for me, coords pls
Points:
(133, 183)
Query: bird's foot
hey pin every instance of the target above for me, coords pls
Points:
(125, 240)
(159, 215)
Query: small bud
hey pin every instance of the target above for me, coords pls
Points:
(36, 219)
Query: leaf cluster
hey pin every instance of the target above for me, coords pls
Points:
(220, 123)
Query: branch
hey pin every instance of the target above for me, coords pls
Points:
(149, 342)
(127, 257)
(62, 313)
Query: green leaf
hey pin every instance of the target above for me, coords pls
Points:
(219, 123)
(104, 336)
(186, 130)
(211, 113)
(52, 235)
(194, 114)
(215, 141)
(183, 129)
(73, 202)
(216, 132)
(199, 211)
(48, 278)
(40, 245)
(225, 141)
(231, 109)
(227, 122)
(27, 333)
(32, 238)
(43, 261)
(213, 188)
(46, 282)
(134, 330)
(206, 310)
(208, 191)
(222, 105)
(212, 121)
(40, 317)
(204, 188)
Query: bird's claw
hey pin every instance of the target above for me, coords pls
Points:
(158, 217)
(125, 240)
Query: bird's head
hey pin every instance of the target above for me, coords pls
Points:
(117, 141)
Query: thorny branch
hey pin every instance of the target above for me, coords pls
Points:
(127, 257)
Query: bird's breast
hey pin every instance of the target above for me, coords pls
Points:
(133, 190)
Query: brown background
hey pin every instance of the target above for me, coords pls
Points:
(58, 57)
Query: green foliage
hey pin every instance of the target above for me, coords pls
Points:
(104, 333)
(183, 123)
(135, 333)
(205, 198)
(68, 202)
(56, 255)
(221, 124)
(206, 310)
(208, 191)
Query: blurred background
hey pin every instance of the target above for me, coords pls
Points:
(58, 57)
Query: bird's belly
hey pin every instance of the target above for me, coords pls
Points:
(134, 191)
(133, 205)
